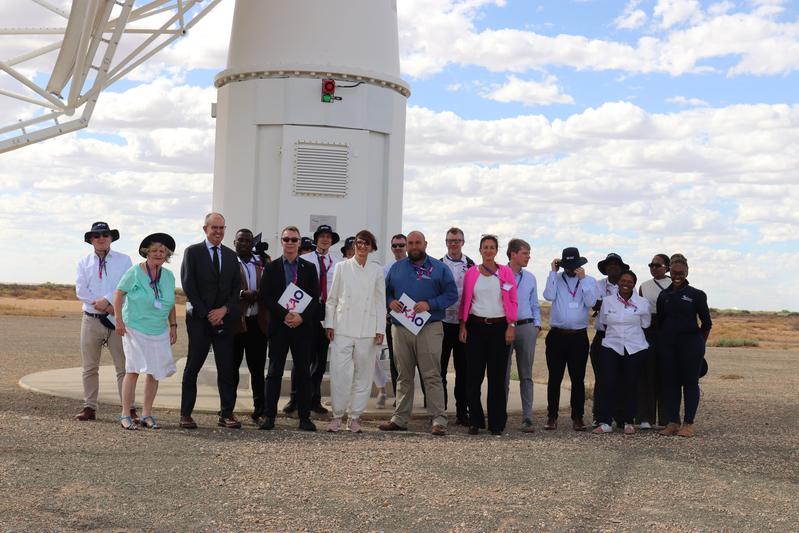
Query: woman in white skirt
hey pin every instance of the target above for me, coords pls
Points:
(144, 304)
(355, 321)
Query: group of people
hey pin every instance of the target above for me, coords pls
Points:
(647, 353)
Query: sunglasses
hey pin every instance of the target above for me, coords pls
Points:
(291, 239)
(98, 235)
(398, 245)
(655, 265)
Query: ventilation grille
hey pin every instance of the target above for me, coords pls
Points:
(320, 169)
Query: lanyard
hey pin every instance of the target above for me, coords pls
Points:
(491, 272)
(153, 281)
(519, 281)
(293, 268)
(454, 260)
(627, 303)
(102, 266)
(662, 288)
(572, 292)
(421, 271)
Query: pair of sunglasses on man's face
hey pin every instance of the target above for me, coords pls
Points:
(398, 245)
(98, 235)
(291, 239)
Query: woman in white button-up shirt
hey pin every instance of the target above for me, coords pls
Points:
(624, 317)
(355, 321)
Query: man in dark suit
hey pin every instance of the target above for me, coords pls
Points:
(211, 280)
(289, 329)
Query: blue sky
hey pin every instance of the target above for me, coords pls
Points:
(630, 126)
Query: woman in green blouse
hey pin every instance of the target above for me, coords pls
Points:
(144, 304)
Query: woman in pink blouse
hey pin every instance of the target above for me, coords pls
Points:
(487, 321)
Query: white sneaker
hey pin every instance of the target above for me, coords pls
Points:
(644, 425)
(602, 429)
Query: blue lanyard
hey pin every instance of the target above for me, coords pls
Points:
(153, 281)
(574, 292)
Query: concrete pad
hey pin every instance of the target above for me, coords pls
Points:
(66, 383)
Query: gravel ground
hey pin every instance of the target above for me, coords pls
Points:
(740, 473)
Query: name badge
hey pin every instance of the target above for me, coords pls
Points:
(574, 305)
(157, 304)
(506, 286)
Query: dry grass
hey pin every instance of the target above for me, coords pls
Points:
(52, 291)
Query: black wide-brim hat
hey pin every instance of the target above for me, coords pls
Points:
(307, 244)
(611, 257)
(324, 228)
(570, 259)
(100, 227)
(161, 238)
(349, 242)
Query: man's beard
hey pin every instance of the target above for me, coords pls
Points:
(416, 255)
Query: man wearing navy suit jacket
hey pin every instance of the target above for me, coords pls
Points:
(289, 329)
(212, 282)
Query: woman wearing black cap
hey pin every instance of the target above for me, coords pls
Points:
(682, 345)
(144, 304)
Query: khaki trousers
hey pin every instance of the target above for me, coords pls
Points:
(92, 337)
(422, 350)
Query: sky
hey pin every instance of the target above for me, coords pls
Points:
(632, 126)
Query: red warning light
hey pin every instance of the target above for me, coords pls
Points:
(328, 90)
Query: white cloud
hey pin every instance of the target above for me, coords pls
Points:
(631, 18)
(528, 92)
(684, 101)
(674, 12)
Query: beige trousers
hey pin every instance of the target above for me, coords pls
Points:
(423, 350)
(92, 337)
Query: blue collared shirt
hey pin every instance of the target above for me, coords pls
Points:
(569, 312)
(289, 270)
(527, 294)
(432, 282)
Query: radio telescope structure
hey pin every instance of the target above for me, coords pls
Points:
(310, 109)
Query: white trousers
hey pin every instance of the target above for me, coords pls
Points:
(352, 362)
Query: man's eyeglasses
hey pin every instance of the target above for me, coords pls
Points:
(655, 265)
(453, 241)
(99, 235)
(396, 245)
(290, 239)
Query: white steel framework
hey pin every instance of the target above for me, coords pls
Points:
(86, 62)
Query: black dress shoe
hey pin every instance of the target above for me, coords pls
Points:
(267, 423)
(462, 421)
(290, 407)
(474, 430)
(319, 409)
(496, 432)
(307, 425)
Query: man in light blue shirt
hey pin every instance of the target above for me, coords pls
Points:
(572, 294)
(528, 326)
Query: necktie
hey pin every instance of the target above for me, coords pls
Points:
(323, 277)
(216, 259)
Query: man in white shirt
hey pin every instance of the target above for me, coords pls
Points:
(612, 267)
(98, 276)
(458, 264)
(324, 237)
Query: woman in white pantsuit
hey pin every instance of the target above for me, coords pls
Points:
(355, 321)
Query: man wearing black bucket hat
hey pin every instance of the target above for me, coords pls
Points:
(323, 238)
(612, 267)
(572, 294)
(98, 276)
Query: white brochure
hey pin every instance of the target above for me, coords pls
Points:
(413, 322)
(294, 298)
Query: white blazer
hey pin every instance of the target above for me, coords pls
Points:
(356, 303)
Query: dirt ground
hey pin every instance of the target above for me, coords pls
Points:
(740, 473)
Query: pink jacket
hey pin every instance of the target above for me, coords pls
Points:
(509, 299)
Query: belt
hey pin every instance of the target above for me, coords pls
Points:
(484, 320)
(95, 315)
(523, 322)
(569, 331)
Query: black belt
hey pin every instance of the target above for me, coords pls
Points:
(484, 320)
(523, 322)
(569, 331)
(95, 315)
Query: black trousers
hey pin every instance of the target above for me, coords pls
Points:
(252, 344)
(619, 378)
(317, 365)
(617, 401)
(566, 349)
(651, 395)
(299, 341)
(452, 345)
(201, 337)
(681, 362)
(487, 353)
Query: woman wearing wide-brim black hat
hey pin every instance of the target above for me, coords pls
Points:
(144, 304)
(682, 346)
